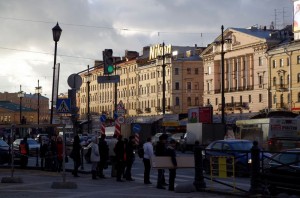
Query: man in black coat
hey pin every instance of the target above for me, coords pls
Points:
(172, 171)
(130, 157)
(103, 149)
(160, 150)
(120, 157)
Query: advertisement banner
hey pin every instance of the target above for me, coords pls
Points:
(297, 16)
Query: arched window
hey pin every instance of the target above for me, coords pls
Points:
(274, 81)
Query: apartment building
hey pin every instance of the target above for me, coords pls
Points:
(246, 70)
(141, 83)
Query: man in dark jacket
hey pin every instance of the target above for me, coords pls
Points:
(130, 147)
(160, 150)
(120, 157)
(172, 171)
(103, 149)
(24, 151)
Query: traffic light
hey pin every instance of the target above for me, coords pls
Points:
(108, 61)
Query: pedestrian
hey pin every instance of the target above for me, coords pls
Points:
(104, 150)
(148, 153)
(161, 151)
(60, 151)
(112, 155)
(53, 150)
(172, 171)
(130, 157)
(24, 151)
(120, 157)
(75, 154)
(95, 156)
(43, 151)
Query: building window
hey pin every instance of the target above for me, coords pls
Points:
(177, 86)
(177, 101)
(196, 101)
(288, 62)
(208, 101)
(196, 71)
(298, 59)
(274, 64)
(298, 78)
(209, 70)
(188, 70)
(274, 81)
(196, 86)
(250, 98)
(189, 86)
(274, 99)
(189, 101)
(260, 80)
(232, 99)
(260, 97)
(281, 62)
(217, 102)
(260, 61)
(176, 71)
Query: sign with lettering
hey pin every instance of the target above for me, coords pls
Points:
(157, 50)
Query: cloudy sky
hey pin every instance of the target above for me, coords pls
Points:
(89, 26)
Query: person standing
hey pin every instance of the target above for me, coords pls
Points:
(43, 151)
(60, 151)
(148, 153)
(53, 150)
(76, 155)
(120, 157)
(172, 171)
(24, 150)
(161, 151)
(103, 149)
(95, 157)
(130, 157)
(112, 154)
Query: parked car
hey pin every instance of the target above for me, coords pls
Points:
(33, 145)
(41, 135)
(178, 138)
(238, 149)
(4, 152)
(282, 171)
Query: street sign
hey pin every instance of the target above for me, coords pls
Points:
(121, 119)
(136, 128)
(109, 79)
(63, 106)
(103, 118)
(74, 81)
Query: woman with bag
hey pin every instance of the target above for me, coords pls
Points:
(95, 156)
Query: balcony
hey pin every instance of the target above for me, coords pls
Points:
(158, 109)
(235, 106)
(281, 87)
(139, 111)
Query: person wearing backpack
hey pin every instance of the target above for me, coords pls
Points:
(147, 154)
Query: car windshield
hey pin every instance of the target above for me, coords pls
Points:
(3, 144)
(242, 146)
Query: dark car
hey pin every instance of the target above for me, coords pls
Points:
(237, 150)
(4, 152)
(282, 171)
(34, 146)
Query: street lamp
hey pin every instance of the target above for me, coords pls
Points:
(56, 31)
(88, 75)
(38, 91)
(21, 95)
(222, 80)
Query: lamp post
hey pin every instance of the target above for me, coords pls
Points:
(88, 97)
(56, 31)
(21, 95)
(38, 91)
(164, 79)
(222, 78)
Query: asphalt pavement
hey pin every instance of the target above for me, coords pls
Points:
(37, 183)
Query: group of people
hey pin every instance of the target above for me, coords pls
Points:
(162, 149)
(121, 154)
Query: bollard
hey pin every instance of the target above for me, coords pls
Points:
(255, 183)
(82, 160)
(199, 183)
(37, 157)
